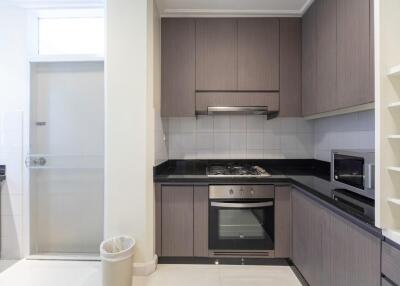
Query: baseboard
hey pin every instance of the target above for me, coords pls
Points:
(145, 268)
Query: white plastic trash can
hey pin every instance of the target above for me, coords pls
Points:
(116, 261)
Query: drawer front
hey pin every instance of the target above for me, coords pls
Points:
(391, 262)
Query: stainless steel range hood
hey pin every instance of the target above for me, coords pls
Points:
(257, 110)
(258, 103)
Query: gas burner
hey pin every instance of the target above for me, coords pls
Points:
(236, 170)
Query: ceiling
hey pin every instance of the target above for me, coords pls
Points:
(181, 8)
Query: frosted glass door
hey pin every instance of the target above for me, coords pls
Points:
(66, 158)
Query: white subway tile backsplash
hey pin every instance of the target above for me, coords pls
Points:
(289, 125)
(255, 123)
(205, 124)
(273, 126)
(222, 141)
(205, 153)
(238, 141)
(237, 136)
(240, 136)
(174, 125)
(273, 154)
(254, 153)
(289, 142)
(255, 141)
(205, 140)
(221, 123)
(272, 141)
(188, 124)
(238, 123)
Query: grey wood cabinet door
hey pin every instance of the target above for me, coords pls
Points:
(290, 67)
(178, 67)
(283, 221)
(177, 220)
(258, 54)
(309, 62)
(200, 211)
(391, 262)
(353, 52)
(326, 96)
(354, 254)
(216, 54)
(307, 229)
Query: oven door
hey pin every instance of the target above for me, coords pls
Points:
(241, 225)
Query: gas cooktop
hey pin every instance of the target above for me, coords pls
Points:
(236, 170)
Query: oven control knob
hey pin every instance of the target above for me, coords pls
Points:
(231, 192)
(252, 191)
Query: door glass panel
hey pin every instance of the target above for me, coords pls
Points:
(65, 162)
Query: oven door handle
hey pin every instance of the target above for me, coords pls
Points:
(242, 206)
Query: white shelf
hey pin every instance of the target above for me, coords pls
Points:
(394, 169)
(394, 71)
(394, 201)
(394, 137)
(394, 104)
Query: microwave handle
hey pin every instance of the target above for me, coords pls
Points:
(370, 176)
(242, 206)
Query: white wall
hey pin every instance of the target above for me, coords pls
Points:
(161, 124)
(239, 137)
(13, 93)
(129, 125)
(349, 131)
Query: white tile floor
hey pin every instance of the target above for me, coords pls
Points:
(4, 264)
(67, 273)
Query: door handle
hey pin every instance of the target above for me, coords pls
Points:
(242, 205)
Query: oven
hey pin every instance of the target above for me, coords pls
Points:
(241, 219)
(354, 170)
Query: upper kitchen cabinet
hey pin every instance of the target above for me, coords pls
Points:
(353, 52)
(309, 62)
(290, 67)
(258, 54)
(326, 96)
(216, 54)
(337, 55)
(178, 67)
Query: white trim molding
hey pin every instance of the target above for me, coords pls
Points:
(167, 12)
(145, 268)
(357, 108)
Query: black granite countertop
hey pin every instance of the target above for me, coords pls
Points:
(312, 177)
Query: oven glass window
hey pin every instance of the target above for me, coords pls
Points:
(241, 224)
(244, 228)
(349, 170)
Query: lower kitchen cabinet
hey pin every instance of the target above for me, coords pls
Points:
(328, 250)
(308, 226)
(200, 227)
(283, 221)
(181, 220)
(391, 262)
(177, 221)
(354, 254)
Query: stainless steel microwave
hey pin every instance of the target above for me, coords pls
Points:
(354, 170)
